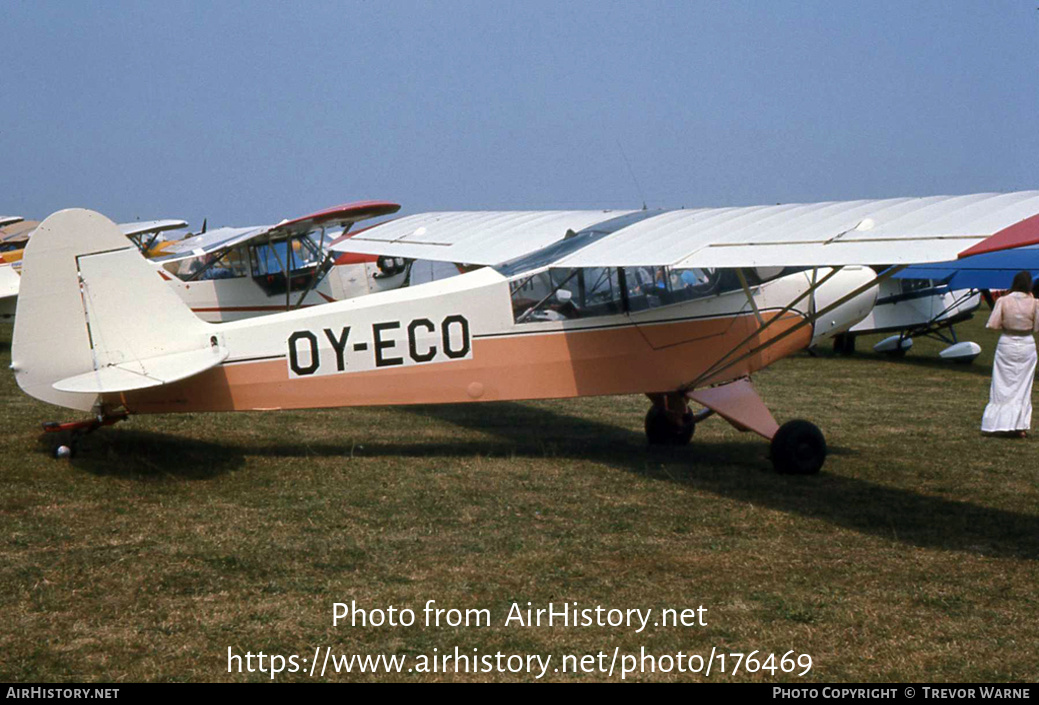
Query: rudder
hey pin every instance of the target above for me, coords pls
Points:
(95, 317)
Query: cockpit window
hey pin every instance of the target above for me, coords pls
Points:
(564, 294)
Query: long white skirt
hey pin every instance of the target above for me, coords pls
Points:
(1010, 401)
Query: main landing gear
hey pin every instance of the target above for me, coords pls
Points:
(844, 344)
(796, 448)
(74, 431)
(665, 428)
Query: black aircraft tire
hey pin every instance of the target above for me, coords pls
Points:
(844, 344)
(662, 431)
(798, 448)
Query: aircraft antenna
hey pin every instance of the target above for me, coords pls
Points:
(638, 186)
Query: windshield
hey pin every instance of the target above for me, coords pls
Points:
(571, 243)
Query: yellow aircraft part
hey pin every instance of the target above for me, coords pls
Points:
(12, 256)
(159, 249)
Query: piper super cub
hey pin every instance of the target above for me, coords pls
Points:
(681, 305)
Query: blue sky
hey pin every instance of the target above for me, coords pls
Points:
(249, 112)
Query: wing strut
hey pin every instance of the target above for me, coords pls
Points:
(933, 327)
(811, 290)
(316, 277)
(722, 365)
(750, 298)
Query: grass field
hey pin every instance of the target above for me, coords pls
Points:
(914, 556)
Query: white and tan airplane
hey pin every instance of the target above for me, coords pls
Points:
(680, 305)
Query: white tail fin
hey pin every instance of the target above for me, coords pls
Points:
(94, 317)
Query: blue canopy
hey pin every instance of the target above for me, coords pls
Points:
(989, 271)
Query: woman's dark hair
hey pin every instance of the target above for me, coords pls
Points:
(1022, 283)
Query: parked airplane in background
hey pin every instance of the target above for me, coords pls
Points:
(12, 245)
(12, 240)
(913, 307)
(944, 293)
(228, 274)
(753, 285)
(8, 277)
(233, 273)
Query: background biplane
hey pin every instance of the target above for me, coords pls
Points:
(680, 305)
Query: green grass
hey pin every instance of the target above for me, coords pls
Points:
(914, 556)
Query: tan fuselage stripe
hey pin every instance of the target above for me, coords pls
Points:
(625, 360)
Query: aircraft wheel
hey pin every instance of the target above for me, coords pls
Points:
(844, 344)
(798, 448)
(661, 430)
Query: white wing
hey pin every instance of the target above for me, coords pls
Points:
(471, 237)
(147, 227)
(893, 231)
(212, 241)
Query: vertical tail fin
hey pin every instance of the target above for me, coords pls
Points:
(95, 317)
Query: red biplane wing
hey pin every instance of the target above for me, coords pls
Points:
(339, 216)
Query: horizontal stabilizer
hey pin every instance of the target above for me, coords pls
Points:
(140, 374)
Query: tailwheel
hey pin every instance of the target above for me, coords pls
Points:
(69, 434)
(64, 451)
(798, 448)
(666, 429)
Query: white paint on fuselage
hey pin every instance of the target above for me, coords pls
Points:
(482, 298)
(913, 312)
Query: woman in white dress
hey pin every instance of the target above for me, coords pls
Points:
(1009, 410)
